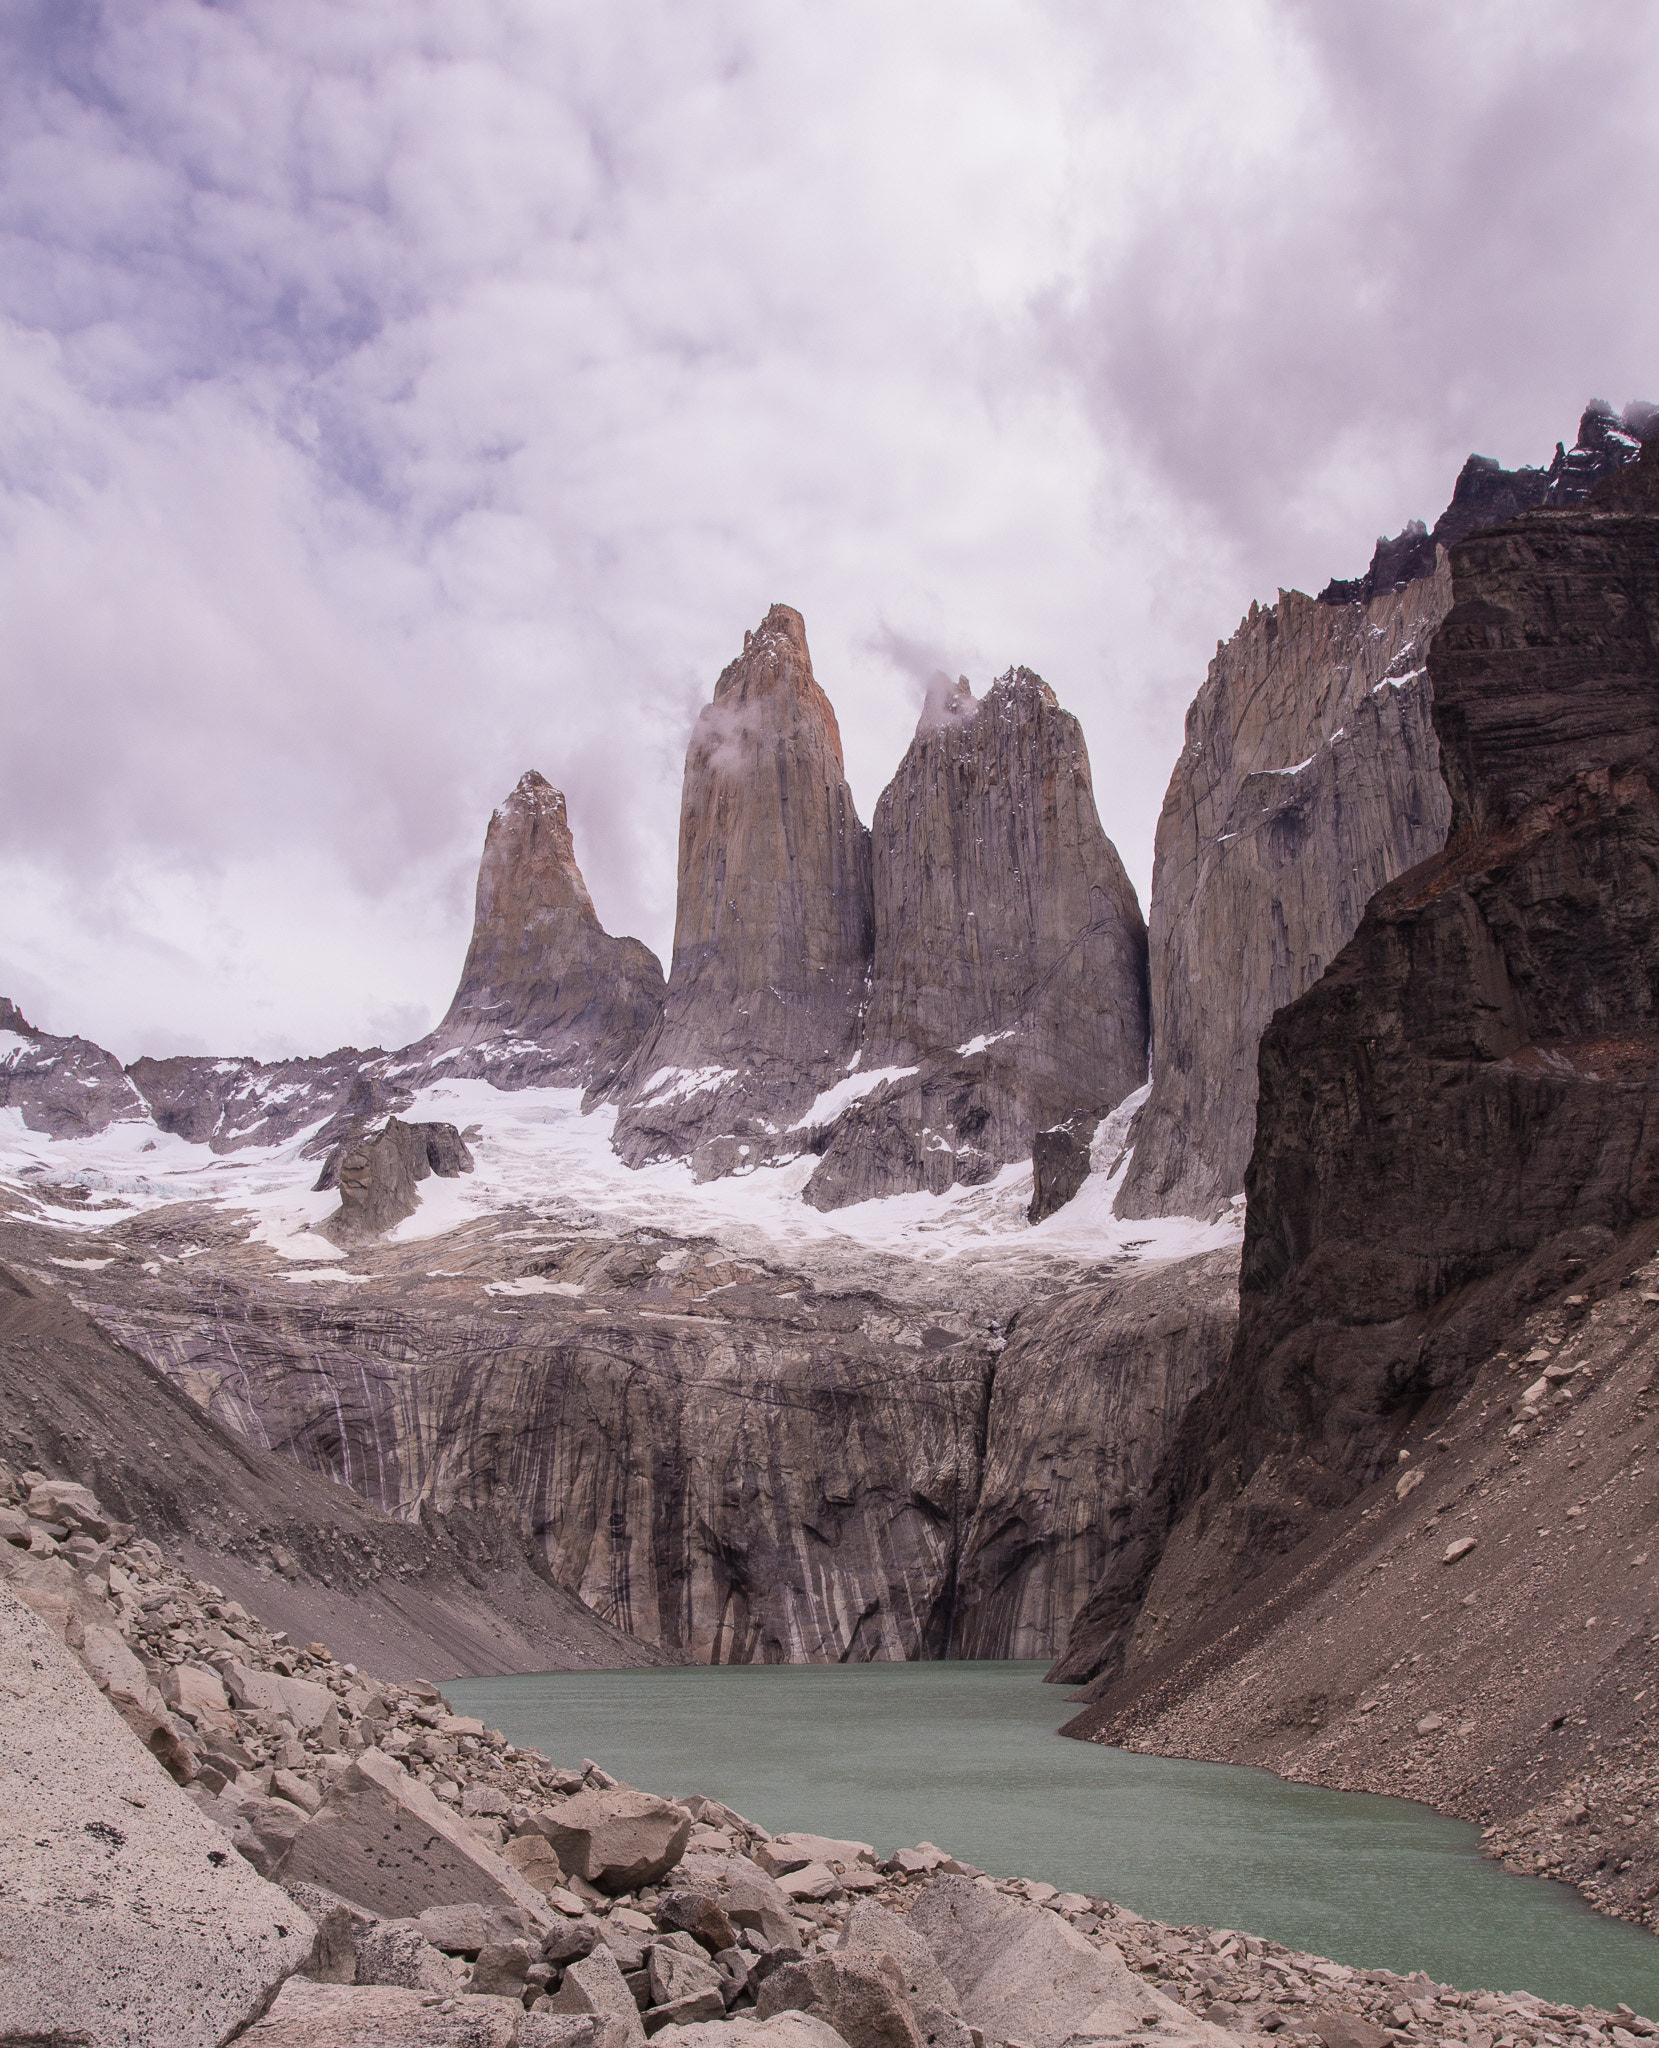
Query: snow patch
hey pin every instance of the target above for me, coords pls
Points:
(675, 1084)
(533, 1283)
(844, 1094)
(979, 1043)
(12, 1043)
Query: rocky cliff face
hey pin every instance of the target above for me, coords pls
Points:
(1459, 1117)
(1309, 778)
(725, 1455)
(772, 932)
(546, 994)
(67, 1087)
(1008, 977)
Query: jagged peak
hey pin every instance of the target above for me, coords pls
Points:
(776, 664)
(947, 704)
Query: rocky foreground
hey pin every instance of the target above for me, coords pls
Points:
(278, 1847)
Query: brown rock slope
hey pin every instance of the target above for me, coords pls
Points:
(546, 993)
(426, 1595)
(1009, 970)
(772, 931)
(1456, 1122)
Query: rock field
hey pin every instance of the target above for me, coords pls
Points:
(462, 1890)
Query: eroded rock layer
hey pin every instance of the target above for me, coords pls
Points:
(1008, 978)
(1461, 1114)
(773, 924)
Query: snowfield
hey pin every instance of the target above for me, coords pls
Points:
(535, 1151)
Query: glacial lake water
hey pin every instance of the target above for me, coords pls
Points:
(966, 1755)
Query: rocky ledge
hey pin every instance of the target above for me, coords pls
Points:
(391, 1872)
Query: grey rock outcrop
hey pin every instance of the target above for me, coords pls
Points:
(125, 1919)
(1008, 973)
(546, 994)
(377, 1175)
(64, 1087)
(773, 923)
(1309, 778)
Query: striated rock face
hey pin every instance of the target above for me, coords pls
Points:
(1008, 979)
(1309, 778)
(546, 993)
(67, 1087)
(728, 1459)
(1085, 1400)
(1461, 1113)
(773, 928)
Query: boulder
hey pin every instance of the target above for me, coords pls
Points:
(595, 1985)
(76, 1507)
(333, 1957)
(676, 1976)
(784, 1853)
(1019, 1972)
(873, 1928)
(504, 1967)
(309, 2015)
(198, 1693)
(461, 1930)
(812, 1881)
(385, 1841)
(698, 1914)
(300, 1700)
(618, 1840)
(126, 1920)
(396, 1952)
(862, 1996)
(783, 2030)
(755, 1900)
(533, 1858)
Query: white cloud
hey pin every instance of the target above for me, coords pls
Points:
(400, 395)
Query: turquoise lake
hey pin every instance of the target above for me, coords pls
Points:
(966, 1755)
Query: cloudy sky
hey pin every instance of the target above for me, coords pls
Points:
(400, 393)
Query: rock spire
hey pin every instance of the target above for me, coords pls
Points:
(545, 988)
(773, 924)
(1008, 980)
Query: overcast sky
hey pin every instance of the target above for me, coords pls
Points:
(398, 394)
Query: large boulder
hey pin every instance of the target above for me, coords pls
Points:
(873, 1930)
(126, 1921)
(309, 2015)
(1021, 1973)
(383, 1840)
(596, 1985)
(618, 1839)
(862, 1996)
